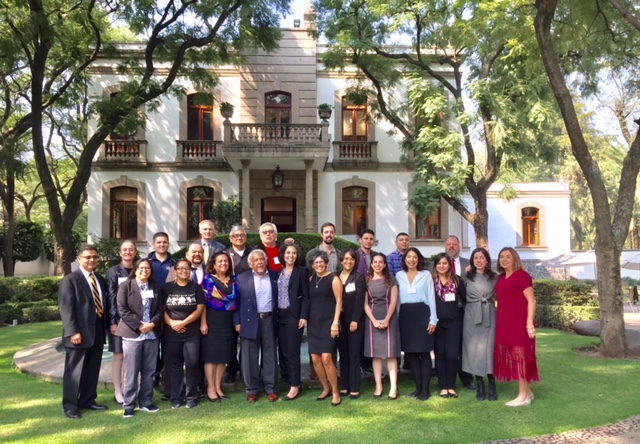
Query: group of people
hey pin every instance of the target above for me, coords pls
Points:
(184, 317)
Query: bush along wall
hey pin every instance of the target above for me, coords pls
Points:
(560, 304)
(29, 299)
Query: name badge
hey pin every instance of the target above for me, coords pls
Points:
(350, 287)
(276, 260)
(146, 294)
(411, 290)
(121, 280)
(449, 297)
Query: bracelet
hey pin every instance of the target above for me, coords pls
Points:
(335, 323)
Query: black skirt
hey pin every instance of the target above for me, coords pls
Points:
(219, 346)
(414, 321)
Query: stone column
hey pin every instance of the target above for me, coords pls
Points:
(308, 196)
(246, 193)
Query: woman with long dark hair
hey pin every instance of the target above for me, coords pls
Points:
(218, 344)
(450, 299)
(479, 324)
(417, 318)
(382, 334)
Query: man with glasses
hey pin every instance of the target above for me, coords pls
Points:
(269, 244)
(238, 251)
(81, 300)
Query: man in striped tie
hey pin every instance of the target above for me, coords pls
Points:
(81, 298)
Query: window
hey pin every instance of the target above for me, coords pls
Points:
(530, 226)
(354, 121)
(124, 213)
(199, 119)
(355, 206)
(278, 107)
(429, 227)
(199, 206)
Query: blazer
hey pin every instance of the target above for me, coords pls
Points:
(214, 247)
(239, 264)
(78, 309)
(299, 292)
(113, 274)
(131, 311)
(353, 301)
(246, 315)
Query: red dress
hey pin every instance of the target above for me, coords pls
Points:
(514, 355)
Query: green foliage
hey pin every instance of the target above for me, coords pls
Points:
(28, 241)
(79, 237)
(41, 313)
(29, 289)
(109, 252)
(560, 304)
(10, 311)
(226, 214)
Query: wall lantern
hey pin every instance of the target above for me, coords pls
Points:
(277, 178)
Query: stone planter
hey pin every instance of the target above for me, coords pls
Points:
(324, 114)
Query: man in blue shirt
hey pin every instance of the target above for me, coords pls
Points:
(394, 259)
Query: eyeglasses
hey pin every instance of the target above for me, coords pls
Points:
(319, 263)
(267, 232)
(183, 269)
(239, 236)
(90, 258)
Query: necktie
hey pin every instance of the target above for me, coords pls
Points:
(194, 276)
(96, 295)
(206, 252)
(453, 265)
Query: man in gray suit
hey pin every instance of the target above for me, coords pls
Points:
(460, 264)
(82, 296)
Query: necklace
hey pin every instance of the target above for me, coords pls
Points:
(318, 280)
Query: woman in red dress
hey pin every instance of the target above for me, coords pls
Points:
(515, 347)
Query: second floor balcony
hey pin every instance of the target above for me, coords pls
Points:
(246, 140)
(355, 153)
(123, 151)
(199, 152)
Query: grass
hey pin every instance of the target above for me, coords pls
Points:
(576, 392)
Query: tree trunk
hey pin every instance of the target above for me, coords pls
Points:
(8, 264)
(481, 219)
(607, 248)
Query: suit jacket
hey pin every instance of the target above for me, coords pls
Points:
(246, 315)
(353, 301)
(78, 309)
(113, 274)
(214, 247)
(299, 292)
(131, 310)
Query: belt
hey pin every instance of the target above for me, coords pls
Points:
(265, 314)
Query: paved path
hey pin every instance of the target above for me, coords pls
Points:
(46, 361)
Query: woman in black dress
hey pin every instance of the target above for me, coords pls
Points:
(218, 344)
(351, 324)
(183, 307)
(293, 304)
(325, 299)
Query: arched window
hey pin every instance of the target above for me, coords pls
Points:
(277, 107)
(199, 206)
(355, 206)
(530, 226)
(124, 213)
(354, 120)
(199, 118)
(429, 227)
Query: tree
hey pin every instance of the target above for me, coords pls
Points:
(473, 82)
(28, 242)
(226, 214)
(52, 43)
(584, 40)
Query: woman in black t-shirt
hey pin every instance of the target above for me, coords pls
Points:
(183, 306)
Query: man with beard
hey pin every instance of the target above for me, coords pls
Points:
(328, 233)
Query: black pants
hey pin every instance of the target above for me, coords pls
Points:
(350, 348)
(289, 340)
(81, 372)
(184, 357)
(447, 350)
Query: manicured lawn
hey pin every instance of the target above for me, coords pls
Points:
(575, 392)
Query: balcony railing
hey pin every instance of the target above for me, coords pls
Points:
(198, 151)
(351, 151)
(124, 151)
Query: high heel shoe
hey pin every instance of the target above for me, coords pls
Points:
(216, 399)
(293, 398)
(322, 398)
(336, 404)
(392, 398)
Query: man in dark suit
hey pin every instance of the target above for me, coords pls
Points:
(460, 264)
(256, 320)
(81, 300)
(209, 245)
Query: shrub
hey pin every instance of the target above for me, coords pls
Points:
(563, 317)
(10, 311)
(560, 304)
(25, 289)
(41, 313)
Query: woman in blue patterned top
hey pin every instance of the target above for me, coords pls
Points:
(218, 345)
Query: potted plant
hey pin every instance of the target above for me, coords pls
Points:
(226, 109)
(324, 111)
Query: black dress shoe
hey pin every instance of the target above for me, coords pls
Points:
(470, 385)
(412, 394)
(322, 398)
(224, 397)
(217, 399)
(96, 407)
(72, 414)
